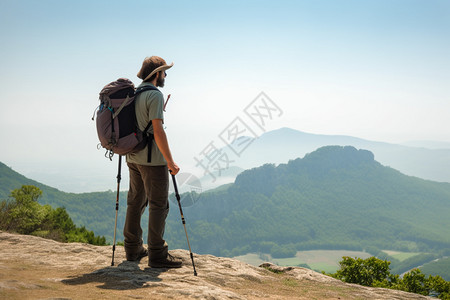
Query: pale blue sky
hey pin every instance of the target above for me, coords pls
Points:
(377, 70)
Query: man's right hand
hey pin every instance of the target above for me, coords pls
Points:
(173, 168)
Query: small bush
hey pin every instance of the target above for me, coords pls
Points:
(375, 272)
(23, 214)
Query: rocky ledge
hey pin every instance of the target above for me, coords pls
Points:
(36, 268)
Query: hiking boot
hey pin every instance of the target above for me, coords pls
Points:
(138, 255)
(167, 262)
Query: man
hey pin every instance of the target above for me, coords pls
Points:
(149, 178)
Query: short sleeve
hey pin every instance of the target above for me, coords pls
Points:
(156, 105)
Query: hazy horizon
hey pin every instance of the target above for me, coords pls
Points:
(82, 179)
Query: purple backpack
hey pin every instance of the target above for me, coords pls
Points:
(116, 119)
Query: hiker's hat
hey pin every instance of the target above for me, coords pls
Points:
(151, 66)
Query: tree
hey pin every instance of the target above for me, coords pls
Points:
(62, 219)
(26, 194)
(23, 214)
(417, 282)
(363, 271)
(283, 251)
(375, 272)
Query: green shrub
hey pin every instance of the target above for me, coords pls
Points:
(375, 272)
(23, 214)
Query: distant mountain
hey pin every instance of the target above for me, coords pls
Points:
(427, 144)
(423, 159)
(10, 180)
(282, 145)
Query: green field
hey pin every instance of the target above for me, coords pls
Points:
(328, 260)
(319, 260)
(401, 256)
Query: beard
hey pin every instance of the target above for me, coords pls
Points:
(160, 81)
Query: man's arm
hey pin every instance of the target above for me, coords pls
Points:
(163, 145)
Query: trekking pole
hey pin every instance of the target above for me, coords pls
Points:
(183, 221)
(117, 206)
(168, 97)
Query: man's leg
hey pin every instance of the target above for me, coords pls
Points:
(156, 182)
(136, 203)
(157, 186)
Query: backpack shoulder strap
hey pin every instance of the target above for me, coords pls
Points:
(150, 136)
(145, 88)
(148, 126)
(141, 90)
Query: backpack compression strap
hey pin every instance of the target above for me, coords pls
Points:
(150, 137)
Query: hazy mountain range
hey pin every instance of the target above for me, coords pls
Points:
(333, 197)
(424, 159)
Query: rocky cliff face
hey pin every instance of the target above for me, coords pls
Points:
(36, 268)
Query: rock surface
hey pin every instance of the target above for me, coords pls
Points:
(36, 268)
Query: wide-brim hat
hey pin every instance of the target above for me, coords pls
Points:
(158, 69)
(152, 65)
